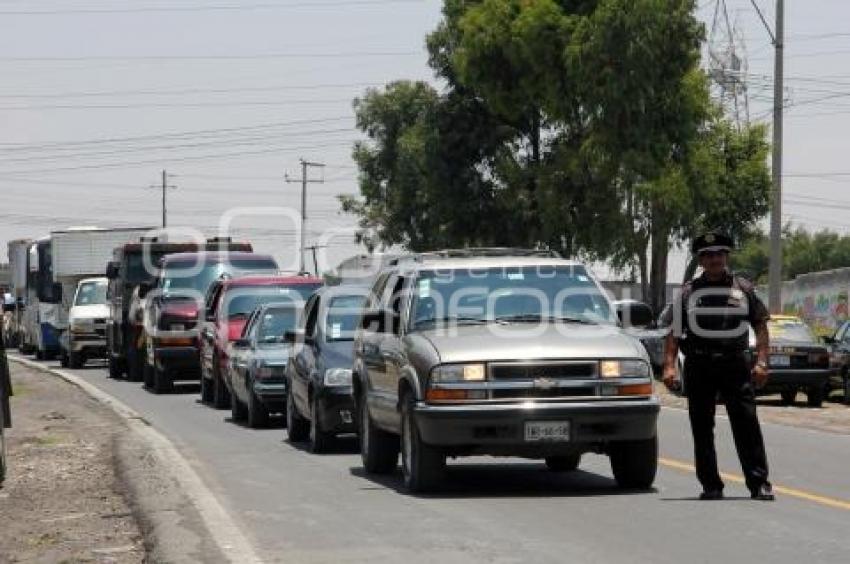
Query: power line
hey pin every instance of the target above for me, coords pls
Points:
(182, 91)
(179, 134)
(213, 8)
(280, 150)
(311, 101)
(164, 58)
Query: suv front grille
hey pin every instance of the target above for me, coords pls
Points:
(535, 393)
(533, 372)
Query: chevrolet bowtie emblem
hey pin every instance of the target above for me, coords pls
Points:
(544, 383)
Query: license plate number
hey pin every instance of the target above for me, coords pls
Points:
(554, 431)
(780, 360)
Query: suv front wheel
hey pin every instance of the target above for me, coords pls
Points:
(423, 465)
(634, 463)
(378, 449)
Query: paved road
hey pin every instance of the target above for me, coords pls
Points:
(299, 507)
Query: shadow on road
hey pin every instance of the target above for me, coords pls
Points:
(344, 444)
(508, 480)
(276, 422)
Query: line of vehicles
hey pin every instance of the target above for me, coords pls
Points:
(453, 353)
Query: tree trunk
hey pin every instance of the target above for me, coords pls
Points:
(644, 274)
(660, 244)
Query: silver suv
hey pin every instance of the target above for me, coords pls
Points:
(501, 352)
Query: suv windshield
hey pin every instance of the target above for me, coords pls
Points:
(275, 322)
(516, 294)
(136, 271)
(91, 293)
(343, 317)
(198, 277)
(244, 299)
(790, 330)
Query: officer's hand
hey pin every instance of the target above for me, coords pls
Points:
(760, 376)
(670, 379)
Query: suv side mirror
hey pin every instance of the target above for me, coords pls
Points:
(827, 340)
(634, 314)
(293, 336)
(379, 320)
(112, 269)
(144, 288)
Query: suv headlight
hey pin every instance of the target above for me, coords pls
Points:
(338, 377)
(447, 373)
(623, 369)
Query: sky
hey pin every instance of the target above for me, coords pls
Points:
(99, 96)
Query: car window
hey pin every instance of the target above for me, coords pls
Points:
(242, 300)
(342, 317)
(488, 294)
(790, 330)
(312, 316)
(91, 293)
(274, 323)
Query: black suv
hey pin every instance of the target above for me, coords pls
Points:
(125, 272)
(172, 305)
(499, 352)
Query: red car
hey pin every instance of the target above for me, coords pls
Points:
(229, 303)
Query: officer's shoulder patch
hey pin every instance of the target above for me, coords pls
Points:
(744, 284)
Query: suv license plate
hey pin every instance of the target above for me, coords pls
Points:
(555, 431)
(780, 360)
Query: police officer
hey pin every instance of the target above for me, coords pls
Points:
(710, 320)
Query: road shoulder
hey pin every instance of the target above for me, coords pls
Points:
(181, 519)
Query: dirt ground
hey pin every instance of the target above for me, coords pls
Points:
(833, 417)
(62, 501)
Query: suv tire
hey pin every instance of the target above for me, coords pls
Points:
(320, 441)
(115, 371)
(238, 412)
(634, 463)
(846, 383)
(815, 396)
(423, 466)
(566, 463)
(206, 390)
(221, 397)
(75, 359)
(297, 427)
(161, 381)
(788, 397)
(258, 413)
(378, 449)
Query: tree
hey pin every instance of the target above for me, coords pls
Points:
(802, 252)
(587, 128)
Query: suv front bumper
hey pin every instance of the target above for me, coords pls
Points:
(794, 378)
(504, 424)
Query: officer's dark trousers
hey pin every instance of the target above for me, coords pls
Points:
(729, 375)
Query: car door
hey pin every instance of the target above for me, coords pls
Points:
(842, 345)
(207, 325)
(241, 358)
(304, 358)
(386, 376)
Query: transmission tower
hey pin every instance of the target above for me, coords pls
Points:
(727, 65)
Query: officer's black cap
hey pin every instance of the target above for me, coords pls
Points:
(712, 241)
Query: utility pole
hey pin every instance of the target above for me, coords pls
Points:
(774, 275)
(305, 165)
(315, 260)
(775, 266)
(165, 187)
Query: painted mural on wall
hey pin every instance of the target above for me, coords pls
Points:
(819, 298)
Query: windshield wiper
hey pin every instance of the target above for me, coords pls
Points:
(460, 320)
(535, 317)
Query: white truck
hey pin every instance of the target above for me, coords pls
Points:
(17, 253)
(79, 253)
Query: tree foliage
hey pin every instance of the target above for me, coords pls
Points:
(802, 252)
(580, 125)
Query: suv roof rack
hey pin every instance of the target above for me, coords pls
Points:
(489, 252)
